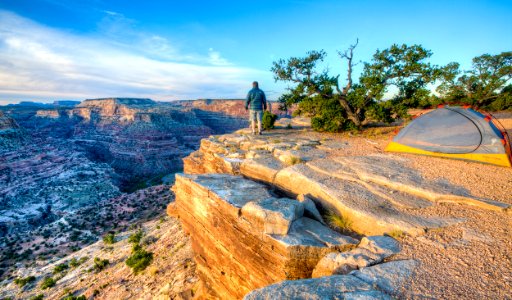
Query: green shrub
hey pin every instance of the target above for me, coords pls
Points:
(71, 297)
(21, 282)
(109, 238)
(139, 260)
(339, 222)
(47, 283)
(38, 297)
(135, 238)
(100, 264)
(329, 116)
(76, 262)
(397, 234)
(268, 120)
(59, 268)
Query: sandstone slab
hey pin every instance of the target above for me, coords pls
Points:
(370, 251)
(272, 215)
(388, 277)
(329, 287)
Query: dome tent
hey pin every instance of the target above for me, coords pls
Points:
(455, 132)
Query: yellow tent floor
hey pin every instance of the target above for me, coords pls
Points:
(489, 158)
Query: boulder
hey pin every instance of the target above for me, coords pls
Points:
(370, 251)
(389, 277)
(272, 215)
(310, 209)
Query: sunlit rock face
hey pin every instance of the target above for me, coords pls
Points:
(221, 115)
(245, 238)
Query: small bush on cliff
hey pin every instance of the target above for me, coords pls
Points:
(100, 264)
(139, 260)
(135, 238)
(109, 238)
(73, 263)
(71, 297)
(47, 283)
(339, 222)
(60, 267)
(37, 297)
(268, 120)
(21, 282)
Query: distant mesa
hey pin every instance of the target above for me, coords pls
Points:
(118, 101)
(29, 104)
(32, 104)
(66, 102)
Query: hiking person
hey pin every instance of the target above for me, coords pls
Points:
(256, 102)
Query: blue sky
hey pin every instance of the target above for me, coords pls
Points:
(165, 50)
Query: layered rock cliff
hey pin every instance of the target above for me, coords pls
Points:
(244, 238)
(221, 115)
(11, 135)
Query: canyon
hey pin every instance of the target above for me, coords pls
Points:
(290, 214)
(58, 161)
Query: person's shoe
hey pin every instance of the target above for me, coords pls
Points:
(259, 133)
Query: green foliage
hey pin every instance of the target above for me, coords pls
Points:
(342, 223)
(60, 267)
(294, 160)
(268, 120)
(333, 108)
(71, 297)
(73, 263)
(48, 282)
(135, 238)
(37, 297)
(100, 264)
(327, 115)
(139, 260)
(109, 238)
(397, 234)
(484, 85)
(21, 282)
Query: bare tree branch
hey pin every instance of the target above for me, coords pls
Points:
(349, 56)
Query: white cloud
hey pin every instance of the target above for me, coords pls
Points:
(38, 62)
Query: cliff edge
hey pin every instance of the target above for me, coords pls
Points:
(293, 206)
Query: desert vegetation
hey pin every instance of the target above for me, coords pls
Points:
(402, 71)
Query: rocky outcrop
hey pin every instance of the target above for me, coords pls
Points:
(106, 109)
(11, 135)
(245, 238)
(374, 283)
(221, 115)
(367, 195)
(7, 122)
(370, 251)
(48, 113)
(376, 193)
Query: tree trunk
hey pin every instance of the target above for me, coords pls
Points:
(351, 114)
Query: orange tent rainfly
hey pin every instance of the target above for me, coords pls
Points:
(455, 132)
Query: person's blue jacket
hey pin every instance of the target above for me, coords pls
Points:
(256, 100)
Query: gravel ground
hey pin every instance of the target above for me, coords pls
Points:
(469, 260)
